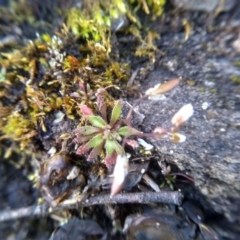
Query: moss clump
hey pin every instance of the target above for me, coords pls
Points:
(51, 75)
(235, 79)
(19, 129)
(236, 63)
(95, 21)
(213, 91)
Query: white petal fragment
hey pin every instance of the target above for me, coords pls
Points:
(74, 172)
(119, 174)
(152, 90)
(52, 151)
(163, 88)
(146, 145)
(58, 117)
(182, 115)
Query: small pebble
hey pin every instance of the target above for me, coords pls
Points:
(205, 105)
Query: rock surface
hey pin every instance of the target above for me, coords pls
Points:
(211, 153)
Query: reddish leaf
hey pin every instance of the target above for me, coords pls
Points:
(82, 87)
(101, 104)
(85, 110)
(82, 139)
(111, 160)
(82, 150)
(94, 153)
(134, 144)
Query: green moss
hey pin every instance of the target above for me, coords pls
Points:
(51, 69)
(153, 7)
(214, 90)
(236, 63)
(235, 79)
(95, 21)
(19, 129)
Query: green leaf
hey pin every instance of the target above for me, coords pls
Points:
(112, 145)
(116, 112)
(87, 130)
(123, 131)
(127, 131)
(95, 152)
(162, 185)
(95, 141)
(97, 121)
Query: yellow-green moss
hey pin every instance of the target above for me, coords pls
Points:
(49, 72)
(235, 79)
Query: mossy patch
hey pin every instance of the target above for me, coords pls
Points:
(43, 77)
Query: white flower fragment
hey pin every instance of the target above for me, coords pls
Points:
(74, 172)
(52, 151)
(150, 91)
(163, 88)
(182, 115)
(157, 97)
(58, 117)
(119, 174)
(146, 145)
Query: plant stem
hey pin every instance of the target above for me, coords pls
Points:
(169, 197)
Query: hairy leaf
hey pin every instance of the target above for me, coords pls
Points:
(112, 145)
(95, 141)
(127, 131)
(116, 112)
(83, 149)
(97, 121)
(123, 131)
(87, 130)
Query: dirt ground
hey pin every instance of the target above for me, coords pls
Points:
(209, 63)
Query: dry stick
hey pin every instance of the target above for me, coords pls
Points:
(174, 197)
(35, 210)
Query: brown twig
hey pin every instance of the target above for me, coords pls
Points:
(174, 197)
